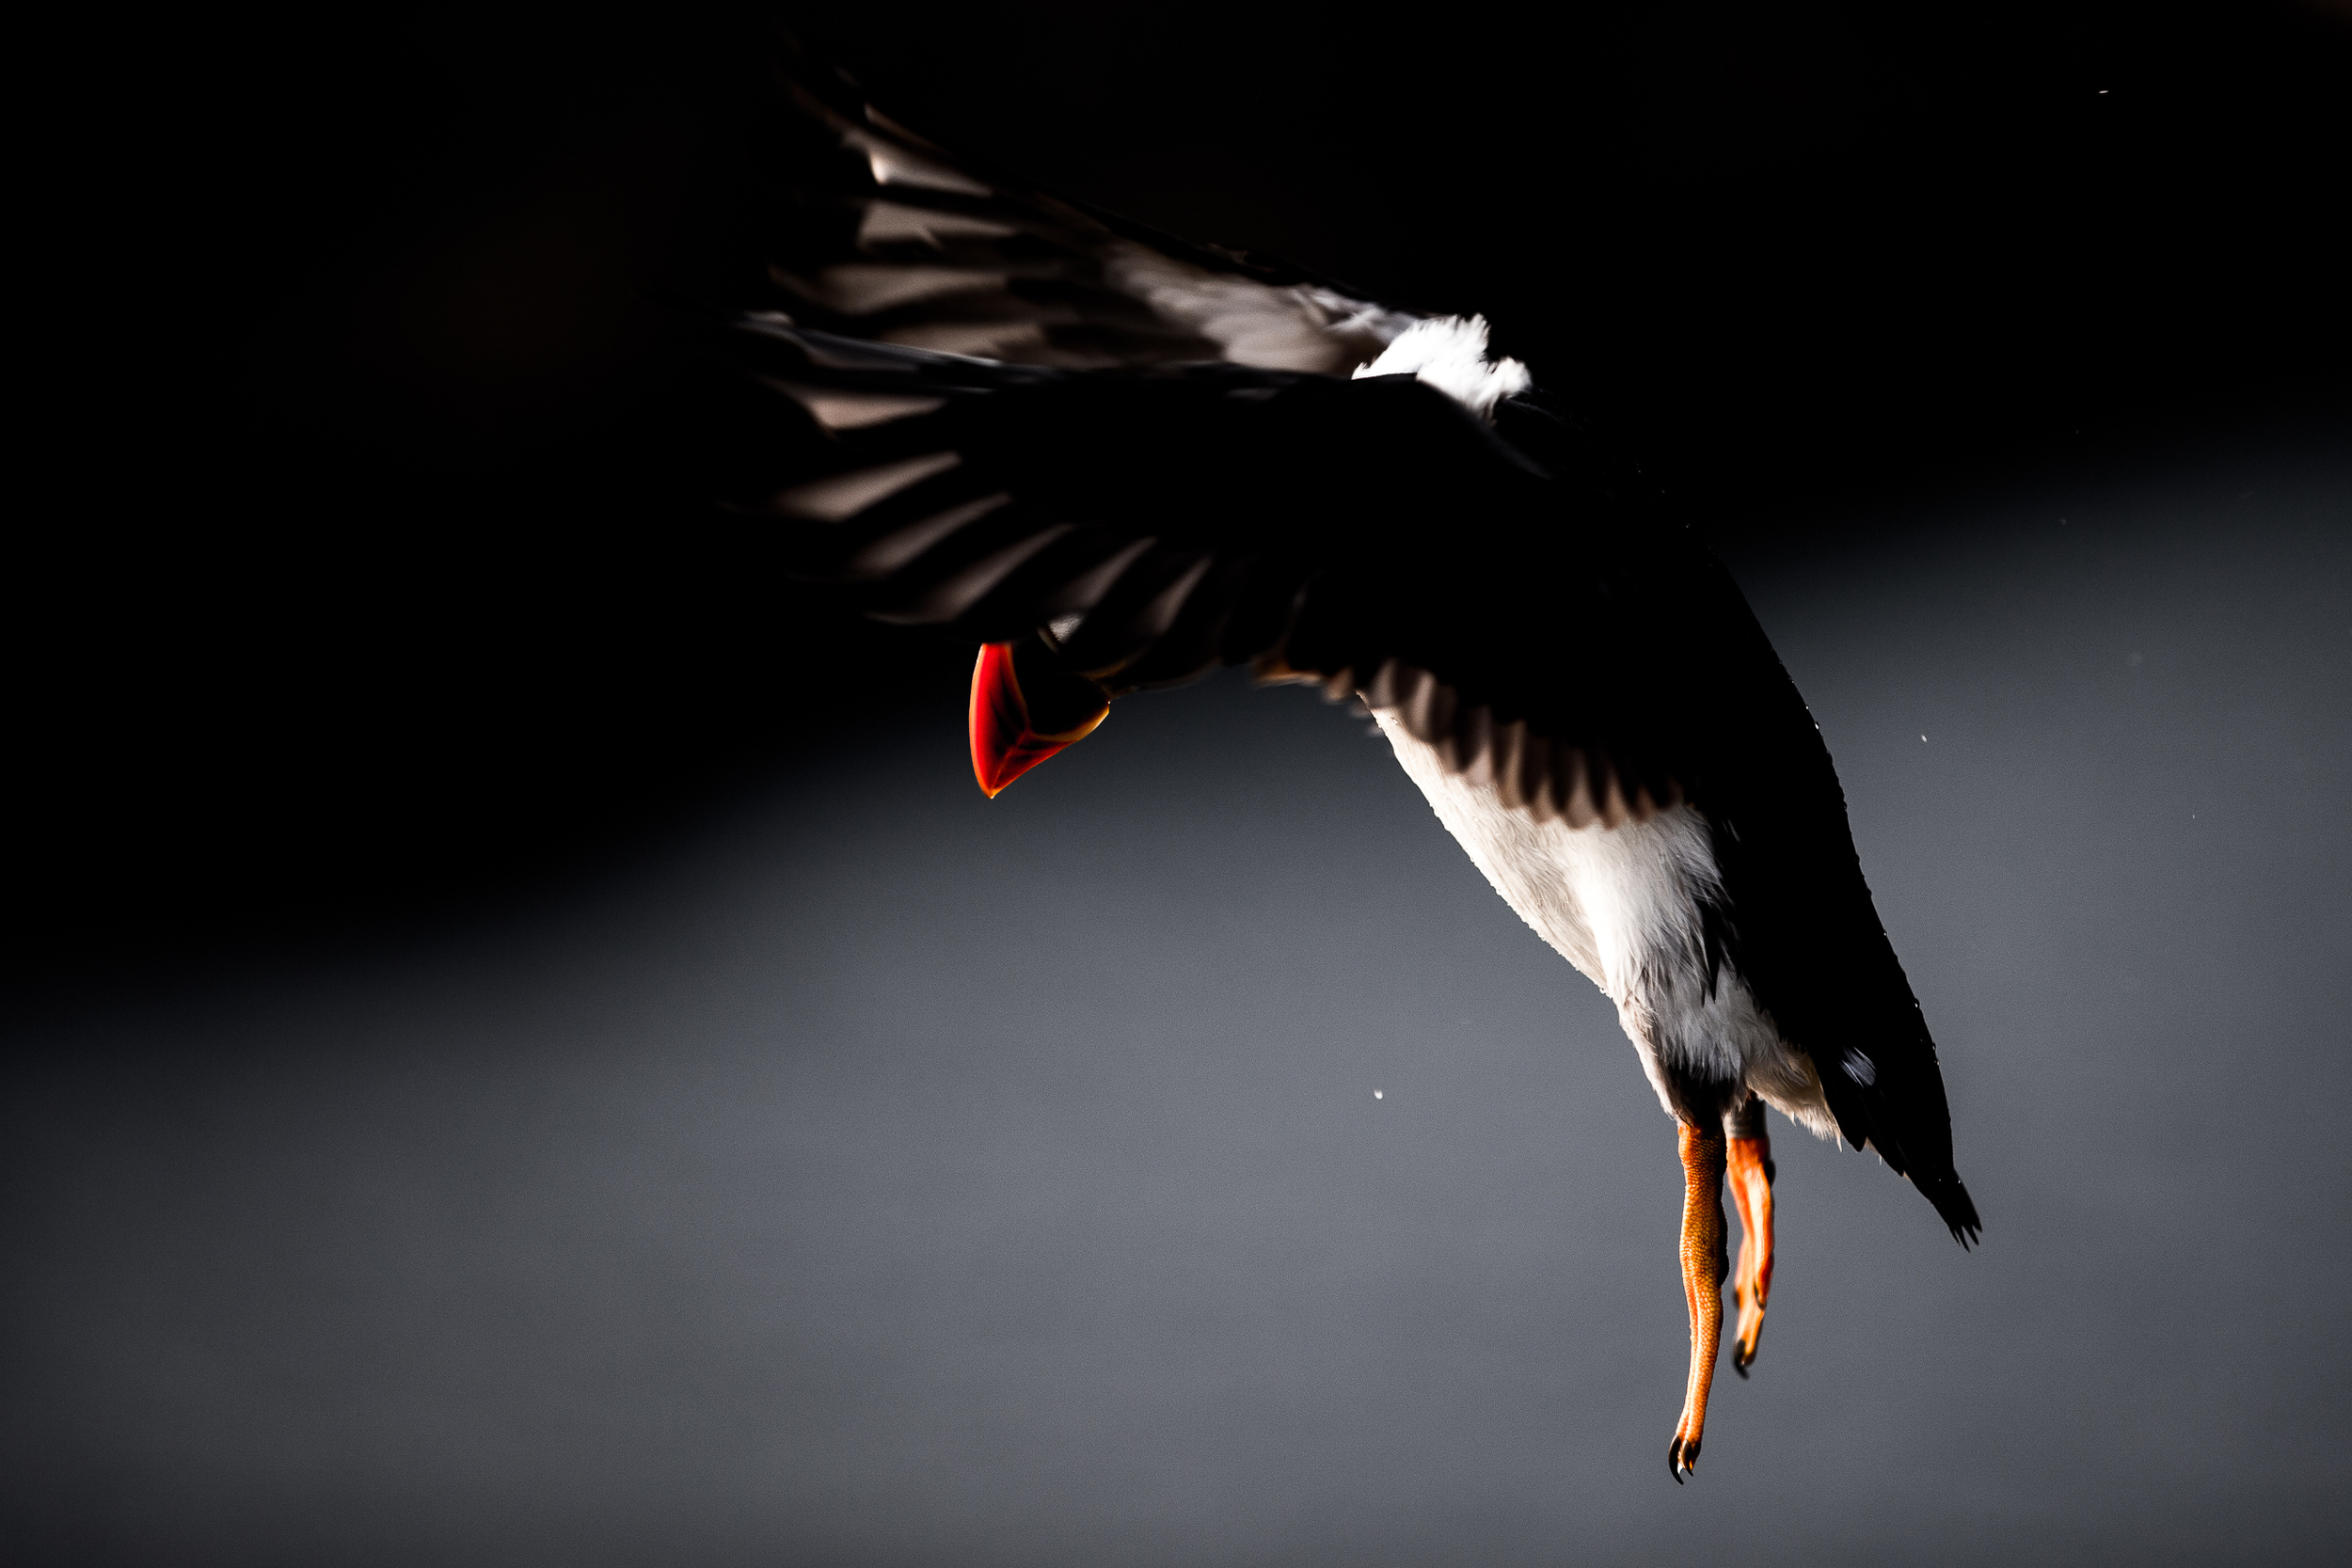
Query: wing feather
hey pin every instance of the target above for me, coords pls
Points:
(895, 238)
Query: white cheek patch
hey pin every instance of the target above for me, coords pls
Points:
(1450, 354)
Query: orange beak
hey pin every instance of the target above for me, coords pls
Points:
(1005, 744)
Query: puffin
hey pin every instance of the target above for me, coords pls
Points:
(1118, 460)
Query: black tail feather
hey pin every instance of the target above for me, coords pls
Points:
(1951, 1201)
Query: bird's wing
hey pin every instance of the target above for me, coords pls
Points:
(885, 236)
(1526, 614)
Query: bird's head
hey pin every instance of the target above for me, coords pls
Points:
(1026, 705)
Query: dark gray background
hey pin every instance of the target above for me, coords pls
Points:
(873, 1173)
(519, 1042)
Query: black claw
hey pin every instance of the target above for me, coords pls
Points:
(1740, 1365)
(1673, 1460)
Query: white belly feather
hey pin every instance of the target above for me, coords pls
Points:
(1622, 904)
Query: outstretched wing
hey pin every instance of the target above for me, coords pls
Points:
(895, 240)
(1170, 456)
(1524, 611)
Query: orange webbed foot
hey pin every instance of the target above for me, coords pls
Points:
(1703, 1271)
(1748, 1160)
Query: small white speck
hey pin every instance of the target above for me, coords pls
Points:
(1376, 1094)
(1923, 740)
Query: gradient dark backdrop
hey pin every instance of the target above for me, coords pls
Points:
(524, 1044)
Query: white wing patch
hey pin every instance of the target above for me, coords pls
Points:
(1450, 354)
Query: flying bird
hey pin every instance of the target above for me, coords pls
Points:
(1117, 460)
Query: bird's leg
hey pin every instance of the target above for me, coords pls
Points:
(1703, 1271)
(1749, 1156)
